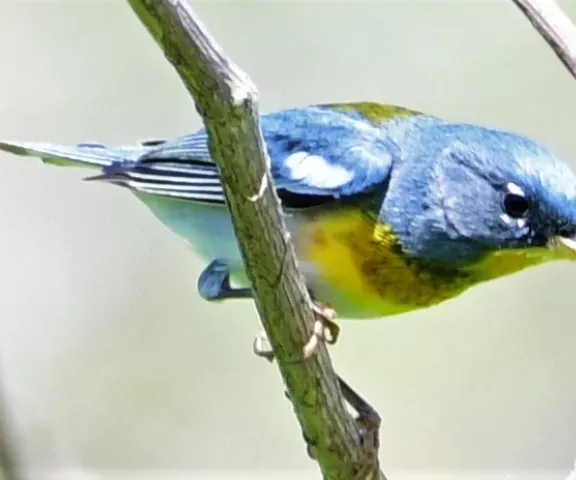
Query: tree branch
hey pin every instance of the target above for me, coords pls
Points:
(227, 100)
(560, 33)
(555, 27)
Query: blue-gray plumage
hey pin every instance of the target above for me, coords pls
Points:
(389, 209)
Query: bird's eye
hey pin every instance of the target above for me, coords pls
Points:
(516, 206)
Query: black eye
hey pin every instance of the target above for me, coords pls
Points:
(516, 205)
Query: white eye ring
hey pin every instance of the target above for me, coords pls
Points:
(508, 220)
(515, 189)
(511, 217)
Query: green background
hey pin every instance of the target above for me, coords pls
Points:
(112, 365)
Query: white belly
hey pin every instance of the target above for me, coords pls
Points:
(207, 229)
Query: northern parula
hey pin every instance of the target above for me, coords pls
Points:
(389, 209)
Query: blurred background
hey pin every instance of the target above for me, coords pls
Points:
(111, 365)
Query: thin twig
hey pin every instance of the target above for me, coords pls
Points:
(555, 27)
(560, 33)
(227, 101)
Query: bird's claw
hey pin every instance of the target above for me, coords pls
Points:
(367, 421)
(368, 430)
(325, 330)
(262, 348)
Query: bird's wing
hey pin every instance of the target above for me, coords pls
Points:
(314, 151)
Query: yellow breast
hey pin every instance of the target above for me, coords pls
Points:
(362, 272)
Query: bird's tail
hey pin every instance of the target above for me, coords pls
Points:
(82, 154)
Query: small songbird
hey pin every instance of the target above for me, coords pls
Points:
(389, 209)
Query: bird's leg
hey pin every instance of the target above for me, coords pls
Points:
(214, 283)
(367, 419)
(325, 330)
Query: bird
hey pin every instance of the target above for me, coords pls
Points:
(390, 210)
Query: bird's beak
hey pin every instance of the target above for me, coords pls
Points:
(565, 247)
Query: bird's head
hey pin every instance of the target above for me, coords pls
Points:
(470, 196)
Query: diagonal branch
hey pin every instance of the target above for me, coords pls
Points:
(560, 33)
(555, 27)
(227, 101)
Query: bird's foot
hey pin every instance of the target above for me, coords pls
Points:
(262, 348)
(325, 330)
(214, 283)
(368, 420)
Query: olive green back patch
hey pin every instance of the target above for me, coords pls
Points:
(374, 112)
